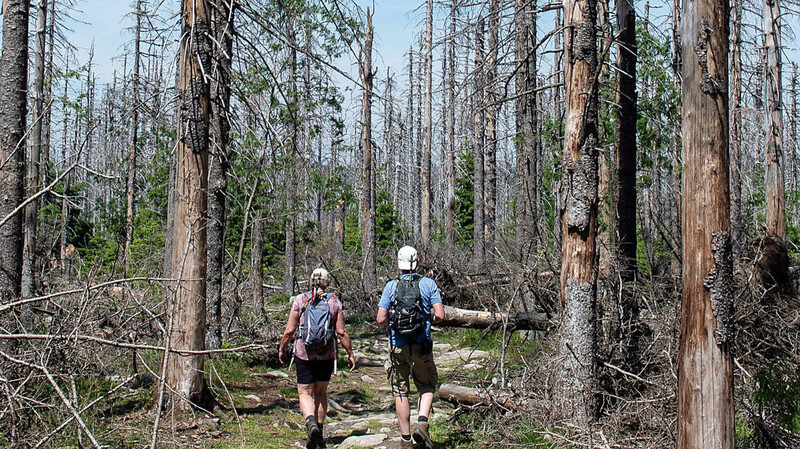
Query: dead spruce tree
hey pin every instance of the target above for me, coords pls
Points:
(705, 376)
(184, 373)
(576, 384)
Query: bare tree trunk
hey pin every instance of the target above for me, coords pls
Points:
(34, 167)
(130, 186)
(257, 264)
(577, 379)
(222, 22)
(526, 128)
(479, 111)
(774, 183)
(66, 158)
(737, 223)
(184, 373)
(705, 377)
(626, 112)
(427, 132)
(44, 167)
(410, 149)
(369, 275)
(290, 246)
(677, 64)
(451, 129)
(492, 112)
(13, 115)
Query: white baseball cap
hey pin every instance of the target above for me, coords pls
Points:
(407, 258)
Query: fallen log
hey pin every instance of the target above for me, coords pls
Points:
(461, 395)
(477, 319)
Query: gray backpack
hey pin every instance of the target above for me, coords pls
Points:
(315, 321)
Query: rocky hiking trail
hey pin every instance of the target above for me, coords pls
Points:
(361, 407)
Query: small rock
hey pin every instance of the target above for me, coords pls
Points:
(363, 441)
(273, 374)
(442, 347)
(253, 397)
(367, 380)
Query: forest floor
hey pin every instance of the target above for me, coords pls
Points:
(259, 405)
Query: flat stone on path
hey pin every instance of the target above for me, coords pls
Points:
(367, 380)
(363, 441)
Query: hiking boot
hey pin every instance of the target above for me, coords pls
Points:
(314, 435)
(421, 437)
(406, 444)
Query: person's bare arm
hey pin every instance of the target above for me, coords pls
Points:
(383, 315)
(438, 312)
(344, 338)
(288, 334)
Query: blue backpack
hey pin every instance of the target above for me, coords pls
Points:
(315, 321)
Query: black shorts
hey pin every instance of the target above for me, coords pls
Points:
(310, 371)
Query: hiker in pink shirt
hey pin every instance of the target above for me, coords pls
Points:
(319, 318)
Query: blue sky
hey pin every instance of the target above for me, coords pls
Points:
(106, 25)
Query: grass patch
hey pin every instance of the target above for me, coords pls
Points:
(289, 392)
(273, 431)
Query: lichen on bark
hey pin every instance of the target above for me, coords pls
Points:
(719, 283)
(708, 83)
(580, 191)
(584, 44)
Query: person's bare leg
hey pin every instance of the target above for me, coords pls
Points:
(425, 404)
(403, 409)
(320, 401)
(305, 393)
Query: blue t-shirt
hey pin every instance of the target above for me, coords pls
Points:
(430, 296)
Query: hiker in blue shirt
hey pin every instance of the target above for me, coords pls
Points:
(409, 305)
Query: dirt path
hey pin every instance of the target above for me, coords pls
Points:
(361, 410)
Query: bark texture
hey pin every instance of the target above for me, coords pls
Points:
(478, 148)
(219, 154)
(705, 381)
(774, 173)
(188, 309)
(576, 385)
(527, 138)
(13, 114)
(451, 129)
(34, 165)
(427, 132)
(737, 224)
(369, 275)
(492, 112)
(625, 137)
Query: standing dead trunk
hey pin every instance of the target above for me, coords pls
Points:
(188, 309)
(625, 137)
(577, 381)
(34, 165)
(737, 223)
(774, 172)
(222, 22)
(13, 115)
(369, 275)
(290, 153)
(427, 133)
(257, 264)
(478, 144)
(451, 129)
(490, 143)
(526, 128)
(705, 377)
(130, 186)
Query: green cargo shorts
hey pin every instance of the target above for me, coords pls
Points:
(399, 367)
